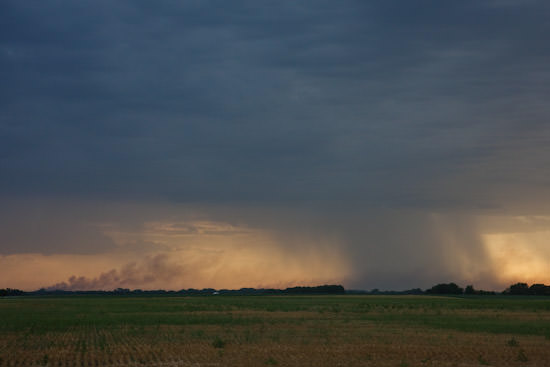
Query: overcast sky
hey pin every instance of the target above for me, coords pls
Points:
(388, 144)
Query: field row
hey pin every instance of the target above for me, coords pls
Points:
(305, 345)
(321, 331)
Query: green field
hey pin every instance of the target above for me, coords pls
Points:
(275, 330)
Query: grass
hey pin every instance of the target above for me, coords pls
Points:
(274, 330)
(218, 342)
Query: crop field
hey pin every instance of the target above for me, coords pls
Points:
(395, 331)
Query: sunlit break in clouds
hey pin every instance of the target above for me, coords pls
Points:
(217, 144)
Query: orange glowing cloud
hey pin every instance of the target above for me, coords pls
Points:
(176, 255)
(521, 256)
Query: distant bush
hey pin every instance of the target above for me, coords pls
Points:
(445, 288)
(523, 289)
(482, 360)
(218, 342)
(11, 292)
(522, 357)
(321, 289)
(470, 290)
(539, 290)
(518, 289)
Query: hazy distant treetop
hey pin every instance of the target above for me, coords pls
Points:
(445, 288)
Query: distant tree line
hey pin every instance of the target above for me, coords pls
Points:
(379, 292)
(453, 288)
(445, 288)
(322, 289)
(525, 289)
(522, 289)
(11, 292)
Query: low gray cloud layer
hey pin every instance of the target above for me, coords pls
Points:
(342, 108)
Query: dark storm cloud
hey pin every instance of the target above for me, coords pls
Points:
(31, 226)
(265, 101)
(338, 108)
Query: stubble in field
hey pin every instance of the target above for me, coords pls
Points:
(274, 331)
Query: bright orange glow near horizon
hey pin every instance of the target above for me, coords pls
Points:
(169, 255)
(200, 253)
(520, 257)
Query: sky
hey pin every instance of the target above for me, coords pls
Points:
(380, 144)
